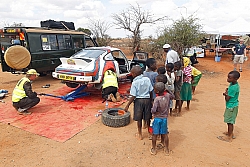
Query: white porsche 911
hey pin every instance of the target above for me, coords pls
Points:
(90, 64)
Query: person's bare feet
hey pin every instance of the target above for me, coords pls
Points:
(113, 99)
(138, 136)
(187, 108)
(177, 114)
(166, 151)
(226, 133)
(150, 136)
(118, 96)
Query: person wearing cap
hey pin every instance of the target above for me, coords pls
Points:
(23, 97)
(240, 54)
(172, 56)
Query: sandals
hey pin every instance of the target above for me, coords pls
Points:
(160, 146)
(152, 151)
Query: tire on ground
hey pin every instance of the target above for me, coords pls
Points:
(17, 57)
(111, 118)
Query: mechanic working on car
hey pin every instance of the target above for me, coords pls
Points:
(110, 86)
(23, 97)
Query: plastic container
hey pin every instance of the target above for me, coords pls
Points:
(151, 126)
(107, 104)
(217, 58)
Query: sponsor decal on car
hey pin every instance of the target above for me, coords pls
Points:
(71, 62)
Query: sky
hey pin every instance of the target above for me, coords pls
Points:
(211, 13)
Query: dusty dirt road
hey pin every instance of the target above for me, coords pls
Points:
(193, 136)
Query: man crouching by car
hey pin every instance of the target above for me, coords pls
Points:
(110, 86)
(23, 97)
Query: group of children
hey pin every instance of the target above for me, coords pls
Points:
(153, 92)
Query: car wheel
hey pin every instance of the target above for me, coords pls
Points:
(72, 85)
(115, 117)
(17, 57)
(42, 74)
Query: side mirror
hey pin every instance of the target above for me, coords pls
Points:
(93, 37)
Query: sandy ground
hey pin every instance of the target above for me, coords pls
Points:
(193, 136)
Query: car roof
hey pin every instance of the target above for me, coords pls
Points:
(106, 48)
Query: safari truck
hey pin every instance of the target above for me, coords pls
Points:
(39, 48)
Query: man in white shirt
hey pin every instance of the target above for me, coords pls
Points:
(172, 56)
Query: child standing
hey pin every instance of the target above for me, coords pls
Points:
(170, 79)
(151, 74)
(141, 91)
(160, 113)
(177, 86)
(161, 70)
(162, 78)
(186, 89)
(232, 102)
(196, 76)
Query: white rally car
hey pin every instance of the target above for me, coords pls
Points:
(90, 64)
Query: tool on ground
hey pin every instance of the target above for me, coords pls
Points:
(46, 86)
(70, 96)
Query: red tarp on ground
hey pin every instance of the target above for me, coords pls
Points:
(57, 119)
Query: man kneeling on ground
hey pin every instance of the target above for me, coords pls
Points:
(110, 86)
(23, 97)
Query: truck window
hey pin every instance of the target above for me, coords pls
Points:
(34, 46)
(89, 42)
(78, 43)
(64, 42)
(49, 42)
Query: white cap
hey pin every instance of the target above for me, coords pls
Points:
(166, 46)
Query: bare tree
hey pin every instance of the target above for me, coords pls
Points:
(17, 25)
(131, 20)
(99, 28)
(7, 24)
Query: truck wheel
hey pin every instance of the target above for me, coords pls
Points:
(72, 85)
(115, 117)
(17, 57)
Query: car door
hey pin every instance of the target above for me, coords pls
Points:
(122, 61)
(139, 59)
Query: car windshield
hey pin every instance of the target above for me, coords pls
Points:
(94, 53)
